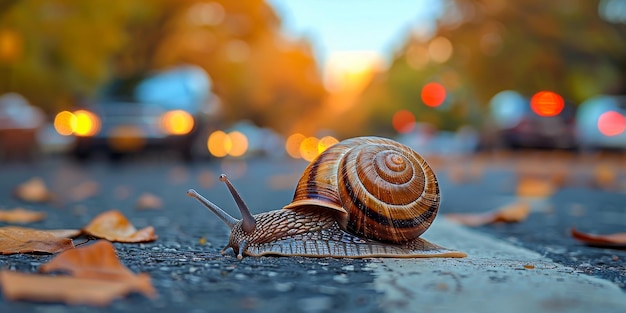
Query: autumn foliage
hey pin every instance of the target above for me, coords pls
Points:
(95, 277)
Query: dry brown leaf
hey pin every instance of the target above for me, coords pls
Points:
(114, 226)
(608, 240)
(33, 190)
(605, 176)
(21, 216)
(512, 213)
(64, 233)
(98, 261)
(70, 290)
(15, 239)
(97, 278)
(84, 190)
(148, 201)
(535, 187)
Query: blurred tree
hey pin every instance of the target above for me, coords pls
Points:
(482, 47)
(259, 74)
(60, 50)
(57, 51)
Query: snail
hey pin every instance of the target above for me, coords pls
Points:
(362, 197)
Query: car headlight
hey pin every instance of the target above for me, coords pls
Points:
(87, 123)
(80, 123)
(177, 122)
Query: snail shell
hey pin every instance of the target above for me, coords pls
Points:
(385, 190)
(363, 197)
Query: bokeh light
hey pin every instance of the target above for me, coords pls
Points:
(65, 123)
(177, 122)
(292, 145)
(547, 103)
(239, 144)
(219, 143)
(325, 143)
(433, 94)
(308, 148)
(440, 49)
(403, 121)
(611, 123)
(507, 108)
(87, 123)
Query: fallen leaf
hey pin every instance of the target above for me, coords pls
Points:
(607, 240)
(64, 233)
(70, 290)
(114, 226)
(21, 216)
(535, 187)
(605, 176)
(15, 239)
(97, 278)
(98, 261)
(83, 191)
(148, 201)
(33, 190)
(512, 213)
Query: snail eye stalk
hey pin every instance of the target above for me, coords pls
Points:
(249, 223)
(225, 217)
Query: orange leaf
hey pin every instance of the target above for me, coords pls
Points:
(33, 190)
(71, 290)
(148, 201)
(20, 215)
(512, 213)
(610, 240)
(529, 186)
(114, 226)
(27, 240)
(98, 261)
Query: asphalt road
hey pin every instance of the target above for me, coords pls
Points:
(192, 276)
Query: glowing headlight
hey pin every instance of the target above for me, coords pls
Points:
(87, 123)
(80, 123)
(177, 122)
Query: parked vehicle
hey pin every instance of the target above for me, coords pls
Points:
(602, 123)
(19, 124)
(168, 110)
(542, 121)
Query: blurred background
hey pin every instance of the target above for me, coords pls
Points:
(217, 78)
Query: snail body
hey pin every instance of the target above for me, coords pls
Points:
(363, 197)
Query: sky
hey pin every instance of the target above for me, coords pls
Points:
(355, 25)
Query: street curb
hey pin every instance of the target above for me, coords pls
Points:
(495, 277)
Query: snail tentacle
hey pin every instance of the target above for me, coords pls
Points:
(249, 223)
(225, 217)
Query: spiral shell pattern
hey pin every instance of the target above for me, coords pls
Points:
(388, 191)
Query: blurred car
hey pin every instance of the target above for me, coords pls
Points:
(602, 123)
(19, 124)
(168, 110)
(544, 120)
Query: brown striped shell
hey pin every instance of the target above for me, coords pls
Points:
(385, 190)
